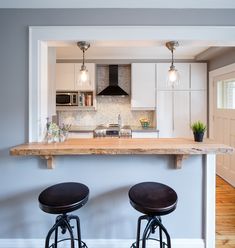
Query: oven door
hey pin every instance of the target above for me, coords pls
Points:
(63, 99)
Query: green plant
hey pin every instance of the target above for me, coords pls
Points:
(198, 127)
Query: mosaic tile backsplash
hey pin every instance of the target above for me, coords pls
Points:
(107, 112)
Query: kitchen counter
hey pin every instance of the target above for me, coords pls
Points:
(181, 148)
(82, 128)
(144, 129)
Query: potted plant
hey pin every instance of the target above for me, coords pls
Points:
(198, 129)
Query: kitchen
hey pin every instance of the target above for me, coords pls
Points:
(23, 194)
(137, 80)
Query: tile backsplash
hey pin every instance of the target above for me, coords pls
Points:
(107, 112)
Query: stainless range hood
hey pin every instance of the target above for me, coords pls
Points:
(113, 89)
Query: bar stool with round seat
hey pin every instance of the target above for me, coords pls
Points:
(62, 199)
(153, 200)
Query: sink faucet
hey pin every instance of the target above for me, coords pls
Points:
(119, 120)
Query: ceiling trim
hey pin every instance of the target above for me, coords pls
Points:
(157, 4)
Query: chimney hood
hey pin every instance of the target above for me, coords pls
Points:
(113, 89)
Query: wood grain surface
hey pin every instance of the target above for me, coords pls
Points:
(121, 146)
(225, 214)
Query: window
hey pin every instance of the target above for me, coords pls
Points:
(226, 94)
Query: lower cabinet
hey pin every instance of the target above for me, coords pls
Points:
(145, 134)
(78, 135)
(177, 110)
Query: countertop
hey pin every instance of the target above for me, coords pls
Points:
(133, 128)
(179, 147)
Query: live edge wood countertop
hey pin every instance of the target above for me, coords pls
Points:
(113, 146)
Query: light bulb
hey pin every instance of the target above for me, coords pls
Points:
(173, 77)
(84, 79)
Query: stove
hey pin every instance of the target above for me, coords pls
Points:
(112, 130)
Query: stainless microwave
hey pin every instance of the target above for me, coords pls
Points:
(66, 98)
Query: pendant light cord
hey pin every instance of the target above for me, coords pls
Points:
(83, 57)
(172, 57)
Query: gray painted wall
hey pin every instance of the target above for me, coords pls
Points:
(224, 59)
(23, 178)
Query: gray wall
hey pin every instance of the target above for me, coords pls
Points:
(23, 178)
(224, 59)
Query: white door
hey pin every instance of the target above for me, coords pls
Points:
(224, 123)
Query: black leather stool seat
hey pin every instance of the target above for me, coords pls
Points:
(153, 198)
(63, 197)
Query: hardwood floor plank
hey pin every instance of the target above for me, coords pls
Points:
(225, 214)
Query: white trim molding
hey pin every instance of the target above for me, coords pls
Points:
(38, 36)
(99, 243)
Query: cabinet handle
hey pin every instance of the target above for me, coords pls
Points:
(173, 111)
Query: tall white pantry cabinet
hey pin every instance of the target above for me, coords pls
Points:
(177, 108)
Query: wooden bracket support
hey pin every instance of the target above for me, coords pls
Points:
(178, 160)
(50, 161)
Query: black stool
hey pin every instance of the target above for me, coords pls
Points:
(61, 199)
(153, 200)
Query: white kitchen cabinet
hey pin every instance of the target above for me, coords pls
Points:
(151, 134)
(177, 110)
(198, 106)
(198, 76)
(165, 113)
(143, 86)
(67, 77)
(181, 114)
(80, 135)
(162, 74)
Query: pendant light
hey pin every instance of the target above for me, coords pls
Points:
(83, 76)
(173, 75)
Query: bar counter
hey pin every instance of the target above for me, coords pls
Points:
(179, 147)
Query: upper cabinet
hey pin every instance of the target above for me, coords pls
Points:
(67, 77)
(162, 72)
(198, 76)
(143, 86)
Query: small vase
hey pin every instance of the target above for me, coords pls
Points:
(198, 137)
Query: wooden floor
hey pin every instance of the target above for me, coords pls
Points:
(225, 214)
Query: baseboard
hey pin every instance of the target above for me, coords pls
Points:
(99, 243)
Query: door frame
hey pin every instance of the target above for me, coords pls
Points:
(212, 77)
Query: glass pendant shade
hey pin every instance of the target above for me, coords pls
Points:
(173, 77)
(83, 77)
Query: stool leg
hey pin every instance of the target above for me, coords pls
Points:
(56, 225)
(70, 232)
(143, 217)
(76, 218)
(147, 228)
(160, 233)
(166, 233)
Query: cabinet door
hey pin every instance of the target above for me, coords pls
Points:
(65, 76)
(162, 74)
(91, 70)
(145, 135)
(199, 106)
(165, 113)
(143, 86)
(198, 76)
(181, 114)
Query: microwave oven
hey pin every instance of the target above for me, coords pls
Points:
(66, 98)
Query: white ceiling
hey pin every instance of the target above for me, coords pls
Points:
(197, 4)
(147, 49)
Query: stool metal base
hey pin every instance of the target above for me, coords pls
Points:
(63, 221)
(153, 222)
